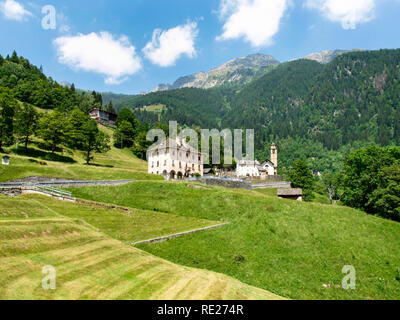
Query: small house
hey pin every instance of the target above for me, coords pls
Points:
(291, 194)
(103, 116)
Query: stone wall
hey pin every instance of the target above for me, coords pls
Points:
(266, 178)
(226, 183)
(11, 192)
(272, 185)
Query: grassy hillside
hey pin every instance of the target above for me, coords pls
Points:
(289, 248)
(37, 231)
(115, 164)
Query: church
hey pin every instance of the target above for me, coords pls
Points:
(268, 167)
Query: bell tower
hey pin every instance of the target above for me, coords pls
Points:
(274, 157)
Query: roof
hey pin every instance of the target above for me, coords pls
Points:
(290, 192)
(267, 161)
(171, 143)
(97, 109)
(249, 163)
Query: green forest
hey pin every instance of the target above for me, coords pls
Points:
(312, 111)
(32, 104)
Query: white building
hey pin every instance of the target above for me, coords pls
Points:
(174, 159)
(246, 168)
(267, 168)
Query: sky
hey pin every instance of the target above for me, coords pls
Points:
(131, 46)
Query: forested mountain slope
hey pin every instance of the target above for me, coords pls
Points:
(29, 84)
(353, 100)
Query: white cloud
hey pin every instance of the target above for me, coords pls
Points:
(13, 10)
(348, 12)
(166, 47)
(257, 21)
(100, 53)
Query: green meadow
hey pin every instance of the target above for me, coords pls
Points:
(82, 243)
(296, 250)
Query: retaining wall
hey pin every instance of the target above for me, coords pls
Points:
(233, 184)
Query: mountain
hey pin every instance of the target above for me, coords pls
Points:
(327, 56)
(235, 72)
(311, 110)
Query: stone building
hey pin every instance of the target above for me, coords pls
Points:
(174, 159)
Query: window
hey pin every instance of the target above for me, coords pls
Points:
(187, 154)
(152, 164)
(173, 163)
(165, 162)
(158, 164)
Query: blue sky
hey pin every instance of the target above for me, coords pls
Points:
(130, 46)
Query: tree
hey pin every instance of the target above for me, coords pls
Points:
(332, 184)
(26, 122)
(386, 198)
(73, 88)
(141, 145)
(127, 115)
(98, 99)
(110, 108)
(14, 57)
(7, 111)
(363, 175)
(125, 135)
(301, 177)
(53, 128)
(94, 140)
(76, 128)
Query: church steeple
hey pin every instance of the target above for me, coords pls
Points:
(274, 156)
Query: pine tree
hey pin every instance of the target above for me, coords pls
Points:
(14, 57)
(73, 88)
(110, 108)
